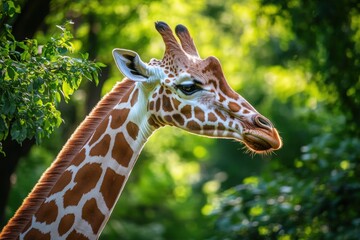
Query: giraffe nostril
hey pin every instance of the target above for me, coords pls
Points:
(263, 122)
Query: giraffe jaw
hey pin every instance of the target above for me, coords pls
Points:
(257, 141)
(262, 142)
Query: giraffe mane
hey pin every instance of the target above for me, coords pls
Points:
(78, 139)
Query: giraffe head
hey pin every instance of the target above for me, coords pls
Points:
(191, 93)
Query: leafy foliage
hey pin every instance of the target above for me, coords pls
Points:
(292, 205)
(9, 9)
(317, 28)
(33, 79)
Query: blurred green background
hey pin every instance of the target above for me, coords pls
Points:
(297, 62)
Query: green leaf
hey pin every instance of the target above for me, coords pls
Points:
(62, 50)
(100, 64)
(10, 8)
(58, 97)
(32, 82)
(67, 90)
(11, 73)
(18, 132)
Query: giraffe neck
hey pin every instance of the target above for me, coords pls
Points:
(82, 199)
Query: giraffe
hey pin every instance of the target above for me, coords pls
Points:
(76, 195)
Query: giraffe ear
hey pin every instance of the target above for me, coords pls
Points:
(131, 65)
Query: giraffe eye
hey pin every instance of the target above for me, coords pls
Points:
(189, 88)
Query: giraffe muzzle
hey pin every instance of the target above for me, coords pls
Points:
(263, 137)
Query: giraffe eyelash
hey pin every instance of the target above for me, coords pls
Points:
(189, 88)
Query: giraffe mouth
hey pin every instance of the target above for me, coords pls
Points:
(261, 142)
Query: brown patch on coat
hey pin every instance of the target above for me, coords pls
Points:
(199, 114)
(161, 90)
(102, 147)
(166, 104)
(192, 125)
(79, 158)
(208, 127)
(74, 235)
(151, 105)
(47, 212)
(179, 119)
(220, 114)
(111, 186)
(122, 151)
(92, 214)
(85, 180)
(212, 117)
(158, 104)
(221, 127)
(118, 117)
(132, 129)
(186, 111)
(221, 97)
(34, 234)
(234, 107)
(176, 103)
(246, 111)
(134, 97)
(66, 223)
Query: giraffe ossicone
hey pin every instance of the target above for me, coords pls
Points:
(76, 195)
